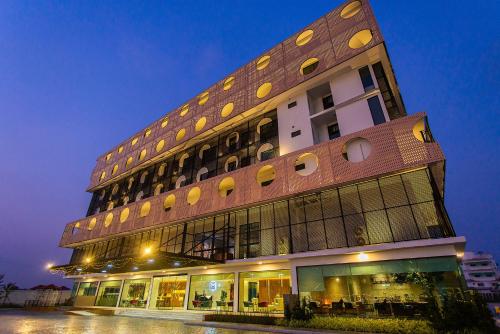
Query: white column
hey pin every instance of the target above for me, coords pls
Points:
(293, 274)
(236, 298)
(149, 295)
(186, 296)
(120, 293)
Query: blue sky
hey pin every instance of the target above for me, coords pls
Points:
(78, 77)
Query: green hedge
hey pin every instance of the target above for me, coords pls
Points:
(241, 318)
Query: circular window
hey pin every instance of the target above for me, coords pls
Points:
(306, 164)
(147, 133)
(263, 62)
(76, 228)
(202, 150)
(184, 110)
(115, 169)
(309, 66)
(160, 145)
(129, 161)
(120, 149)
(108, 220)
(201, 172)
(194, 195)
(180, 181)
(164, 123)
(169, 202)
(350, 10)
(227, 109)
(226, 186)
(145, 208)
(231, 163)
(108, 156)
(203, 98)
(266, 175)
(267, 147)
(304, 37)
(103, 175)
(92, 223)
(228, 83)
(142, 155)
(419, 130)
(200, 124)
(134, 141)
(264, 90)
(356, 150)
(360, 39)
(180, 134)
(124, 215)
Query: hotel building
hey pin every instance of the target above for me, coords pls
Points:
(299, 173)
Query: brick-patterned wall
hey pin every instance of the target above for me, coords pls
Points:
(394, 148)
(329, 44)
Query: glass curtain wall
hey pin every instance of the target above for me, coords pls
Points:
(168, 292)
(399, 287)
(211, 292)
(108, 293)
(263, 291)
(135, 293)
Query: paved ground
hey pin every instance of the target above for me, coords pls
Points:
(21, 322)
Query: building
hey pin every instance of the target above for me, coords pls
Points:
(481, 273)
(299, 173)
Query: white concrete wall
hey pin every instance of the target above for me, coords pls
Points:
(290, 120)
(46, 297)
(354, 117)
(346, 86)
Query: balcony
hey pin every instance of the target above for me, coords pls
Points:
(377, 151)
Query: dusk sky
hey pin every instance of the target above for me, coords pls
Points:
(78, 77)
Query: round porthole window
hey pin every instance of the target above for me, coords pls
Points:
(115, 169)
(203, 98)
(180, 134)
(124, 215)
(193, 195)
(134, 141)
(231, 164)
(350, 10)
(142, 155)
(306, 164)
(226, 186)
(164, 123)
(356, 150)
(129, 161)
(227, 109)
(92, 224)
(264, 90)
(108, 220)
(304, 38)
(265, 151)
(108, 156)
(360, 39)
(169, 202)
(160, 145)
(145, 208)
(147, 133)
(266, 175)
(263, 62)
(103, 175)
(184, 110)
(200, 124)
(309, 66)
(120, 149)
(228, 83)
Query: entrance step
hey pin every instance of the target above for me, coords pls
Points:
(168, 315)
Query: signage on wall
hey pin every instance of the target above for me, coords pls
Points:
(212, 286)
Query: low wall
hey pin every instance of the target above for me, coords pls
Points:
(36, 297)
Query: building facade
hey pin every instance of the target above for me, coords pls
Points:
(299, 173)
(481, 273)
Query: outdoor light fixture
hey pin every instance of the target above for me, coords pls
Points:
(78, 269)
(88, 260)
(205, 267)
(49, 265)
(110, 265)
(151, 260)
(135, 268)
(260, 262)
(147, 250)
(103, 271)
(177, 264)
(362, 256)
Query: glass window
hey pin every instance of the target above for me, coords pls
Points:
(263, 291)
(211, 292)
(87, 288)
(108, 293)
(168, 292)
(366, 78)
(135, 293)
(376, 110)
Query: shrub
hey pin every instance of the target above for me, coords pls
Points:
(241, 318)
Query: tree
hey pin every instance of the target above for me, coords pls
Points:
(7, 290)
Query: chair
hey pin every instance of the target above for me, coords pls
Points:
(263, 306)
(247, 305)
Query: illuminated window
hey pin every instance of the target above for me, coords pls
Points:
(124, 215)
(147, 133)
(108, 156)
(180, 134)
(103, 175)
(145, 208)
(304, 38)
(266, 175)
(228, 83)
(309, 66)
(160, 145)
(306, 164)
(194, 195)
(227, 109)
(108, 220)
(158, 189)
(203, 98)
(92, 223)
(263, 62)
(350, 10)
(184, 110)
(134, 141)
(231, 163)
(265, 152)
(120, 149)
(164, 123)
(142, 155)
(129, 161)
(200, 124)
(76, 228)
(360, 39)
(115, 169)
(226, 186)
(169, 202)
(264, 90)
